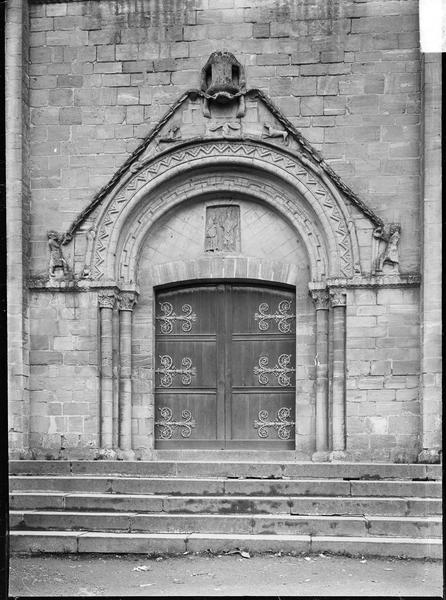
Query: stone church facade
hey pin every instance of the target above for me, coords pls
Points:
(224, 228)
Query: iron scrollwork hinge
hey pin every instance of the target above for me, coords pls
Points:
(170, 317)
(168, 371)
(281, 370)
(281, 317)
(281, 424)
(168, 426)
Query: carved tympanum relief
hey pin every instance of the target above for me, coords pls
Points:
(222, 232)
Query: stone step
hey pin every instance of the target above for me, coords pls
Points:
(285, 505)
(228, 487)
(238, 469)
(171, 543)
(131, 522)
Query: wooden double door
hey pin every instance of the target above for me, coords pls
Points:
(225, 367)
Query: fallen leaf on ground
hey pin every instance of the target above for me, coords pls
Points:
(307, 558)
(322, 555)
(145, 584)
(241, 552)
(196, 574)
(159, 558)
(363, 561)
(142, 568)
(387, 569)
(307, 580)
(177, 581)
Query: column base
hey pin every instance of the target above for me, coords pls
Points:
(144, 454)
(320, 456)
(340, 455)
(106, 454)
(125, 455)
(20, 454)
(430, 456)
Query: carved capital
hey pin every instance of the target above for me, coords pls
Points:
(126, 300)
(338, 297)
(321, 299)
(107, 299)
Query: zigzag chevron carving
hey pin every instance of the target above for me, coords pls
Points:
(150, 172)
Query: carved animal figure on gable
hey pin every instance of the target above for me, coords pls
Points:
(273, 132)
(173, 134)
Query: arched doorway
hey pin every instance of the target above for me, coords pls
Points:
(225, 366)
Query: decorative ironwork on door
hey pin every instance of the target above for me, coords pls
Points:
(281, 317)
(282, 425)
(280, 370)
(169, 317)
(168, 371)
(225, 365)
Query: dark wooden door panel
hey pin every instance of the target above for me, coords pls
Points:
(263, 418)
(263, 363)
(185, 418)
(225, 367)
(186, 311)
(190, 363)
(260, 310)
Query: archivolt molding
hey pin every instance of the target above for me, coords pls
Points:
(340, 242)
(252, 187)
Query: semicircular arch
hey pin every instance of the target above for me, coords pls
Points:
(270, 175)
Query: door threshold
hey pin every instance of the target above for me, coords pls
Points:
(230, 455)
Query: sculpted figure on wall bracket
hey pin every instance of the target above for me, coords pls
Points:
(391, 235)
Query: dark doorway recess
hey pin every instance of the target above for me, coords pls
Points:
(225, 361)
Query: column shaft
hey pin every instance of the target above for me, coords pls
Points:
(338, 409)
(106, 377)
(322, 380)
(125, 382)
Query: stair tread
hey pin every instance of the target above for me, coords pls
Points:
(85, 494)
(228, 536)
(67, 513)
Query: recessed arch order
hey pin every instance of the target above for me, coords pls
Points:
(261, 171)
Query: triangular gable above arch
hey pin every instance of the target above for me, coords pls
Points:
(185, 121)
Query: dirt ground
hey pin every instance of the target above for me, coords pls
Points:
(224, 575)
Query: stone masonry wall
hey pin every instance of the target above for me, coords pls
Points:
(64, 372)
(383, 358)
(346, 73)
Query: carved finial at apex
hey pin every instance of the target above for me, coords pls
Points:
(223, 81)
(58, 266)
(391, 235)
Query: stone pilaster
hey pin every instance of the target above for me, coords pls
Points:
(338, 298)
(321, 300)
(431, 338)
(17, 223)
(126, 303)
